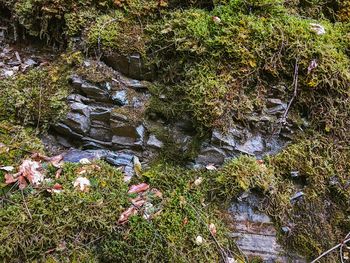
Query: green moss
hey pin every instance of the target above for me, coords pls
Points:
(117, 33)
(74, 225)
(224, 69)
(16, 143)
(37, 97)
(323, 166)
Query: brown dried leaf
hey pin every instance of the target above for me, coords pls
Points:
(22, 182)
(56, 161)
(58, 173)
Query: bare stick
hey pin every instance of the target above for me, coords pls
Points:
(25, 204)
(330, 250)
(295, 83)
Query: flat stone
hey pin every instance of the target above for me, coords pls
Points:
(76, 81)
(117, 62)
(253, 145)
(81, 108)
(100, 134)
(154, 142)
(77, 122)
(74, 156)
(88, 140)
(211, 155)
(101, 114)
(119, 159)
(121, 141)
(95, 92)
(63, 129)
(221, 139)
(78, 98)
(254, 232)
(279, 109)
(135, 66)
(133, 83)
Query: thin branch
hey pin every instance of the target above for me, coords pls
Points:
(295, 93)
(341, 244)
(25, 204)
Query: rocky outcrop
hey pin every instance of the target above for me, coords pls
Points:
(112, 115)
(131, 65)
(109, 115)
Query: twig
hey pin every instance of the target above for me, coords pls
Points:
(295, 83)
(25, 204)
(341, 248)
(341, 244)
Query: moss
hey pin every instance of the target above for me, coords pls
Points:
(37, 97)
(16, 143)
(74, 225)
(225, 69)
(322, 164)
(117, 33)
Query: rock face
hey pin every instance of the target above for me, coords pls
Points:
(131, 65)
(263, 134)
(254, 231)
(109, 115)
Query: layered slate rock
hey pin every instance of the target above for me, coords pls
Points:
(263, 133)
(109, 114)
(255, 233)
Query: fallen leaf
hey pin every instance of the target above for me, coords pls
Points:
(317, 28)
(124, 217)
(212, 229)
(82, 183)
(216, 19)
(7, 168)
(58, 173)
(56, 161)
(39, 157)
(138, 201)
(199, 240)
(84, 161)
(155, 192)
(134, 189)
(137, 166)
(32, 171)
(198, 181)
(57, 188)
(9, 179)
(210, 167)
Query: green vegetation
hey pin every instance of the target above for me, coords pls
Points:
(217, 62)
(37, 97)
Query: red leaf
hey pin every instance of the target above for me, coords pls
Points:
(138, 201)
(9, 179)
(57, 187)
(124, 217)
(134, 189)
(22, 182)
